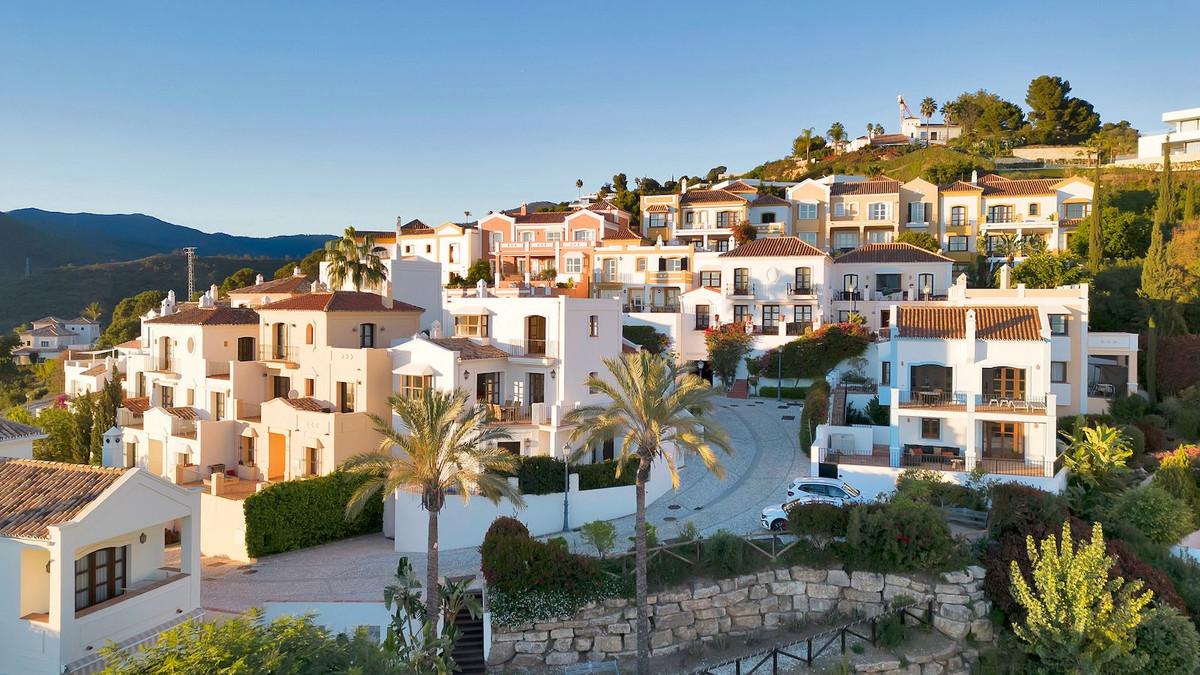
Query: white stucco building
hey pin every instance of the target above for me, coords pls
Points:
(1181, 141)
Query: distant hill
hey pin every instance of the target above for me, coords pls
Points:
(903, 166)
(50, 239)
(66, 290)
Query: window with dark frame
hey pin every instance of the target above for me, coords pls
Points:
(1058, 372)
(345, 391)
(702, 317)
(931, 428)
(1058, 324)
(803, 314)
(770, 316)
(710, 278)
(366, 335)
(100, 575)
(956, 243)
(414, 386)
(885, 373)
(741, 313)
(593, 325)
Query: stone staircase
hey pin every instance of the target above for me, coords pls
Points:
(740, 389)
(837, 406)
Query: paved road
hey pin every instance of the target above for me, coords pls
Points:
(767, 458)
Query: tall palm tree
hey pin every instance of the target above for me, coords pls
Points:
(836, 134)
(808, 137)
(448, 447)
(652, 404)
(92, 311)
(928, 108)
(353, 258)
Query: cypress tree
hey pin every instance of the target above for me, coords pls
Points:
(1096, 234)
(1152, 361)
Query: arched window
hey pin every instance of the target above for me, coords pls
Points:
(535, 335)
(309, 330)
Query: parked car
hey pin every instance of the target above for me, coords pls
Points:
(808, 491)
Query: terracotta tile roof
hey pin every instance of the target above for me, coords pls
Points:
(710, 196)
(469, 350)
(949, 323)
(137, 405)
(770, 200)
(49, 331)
(874, 186)
(307, 403)
(414, 225)
(890, 139)
(658, 208)
(288, 284)
(774, 247)
(542, 217)
(11, 431)
(95, 370)
(216, 316)
(623, 233)
(1000, 186)
(184, 413)
(896, 252)
(739, 186)
(339, 301)
(35, 495)
(602, 205)
(960, 186)
(131, 344)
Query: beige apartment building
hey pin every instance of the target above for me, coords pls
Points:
(841, 213)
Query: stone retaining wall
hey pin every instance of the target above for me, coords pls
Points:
(738, 606)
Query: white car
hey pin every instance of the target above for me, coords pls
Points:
(808, 491)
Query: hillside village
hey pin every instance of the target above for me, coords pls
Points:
(906, 352)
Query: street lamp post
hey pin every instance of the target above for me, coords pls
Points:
(779, 373)
(566, 450)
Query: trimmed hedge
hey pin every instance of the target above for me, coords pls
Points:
(604, 474)
(792, 393)
(543, 475)
(301, 513)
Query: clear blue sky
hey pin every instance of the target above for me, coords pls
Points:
(307, 117)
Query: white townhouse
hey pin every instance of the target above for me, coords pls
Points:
(16, 439)
(50, 336)
(1181, 141)
(454, 246)
(870, 279)
(526, 357)
(83, 553)
(642, 276)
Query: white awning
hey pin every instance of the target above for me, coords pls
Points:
(416, 369)
(249, 432)
(455, 308)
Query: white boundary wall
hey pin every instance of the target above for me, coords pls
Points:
(463, 525)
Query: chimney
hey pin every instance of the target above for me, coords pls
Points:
(258, 279)
(524, 209)
(969, 326)
(399, 222)
(683, 186)
(974, 177)
(296, 271)
(1005, 277)
(214, 290)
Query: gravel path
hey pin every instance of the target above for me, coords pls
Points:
(767, 458)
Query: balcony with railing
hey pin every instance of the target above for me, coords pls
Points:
(848, 295)
(741, 290)
(529, 348)
(517, 414)
(277, 353)
(936, 457)
(773, 329)
(797, 328)
(1001, 402)
(652, 309)
(801, 290)
(934, 399)
(678, 277)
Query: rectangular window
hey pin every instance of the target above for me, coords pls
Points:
(808, 237)
(345, 394)
(414, 386)
(281, 386)
(802, 280)
(931, 428)
(702, 317)
(844, 241)
(656, 220)
(741, 313)
(573, 264)
(956, 243)
(879, 237)
(673, 264)
(167, 394)
(807, 211)
(1058, 324)
(689, 217)
(839, 210)
(885, 373)
(1076, 211)
(495, 238)
(471, 325)
(191, 397)
(719, 245)
(877, 211)
(710, 278)
(100, 575)
(1000, 214)
(640, 264)
(844, 316)
(366, 336)
(1058, 372)
(803, 313)
(583, 235)
(741, 281)
(726, 218)
(310, 385)
(526, 236)
(553, 235)
(218, 406)
(958, 216)
(770, 316)
(594, 325)
(1033, 209)
(487, 388)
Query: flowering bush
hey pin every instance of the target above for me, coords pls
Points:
(514, 609)
(900, 536)
(727, 345)
(819, 352)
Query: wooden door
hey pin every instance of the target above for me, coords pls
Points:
(276, 457)
(155, 457)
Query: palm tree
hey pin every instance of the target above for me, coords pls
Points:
(928, 108)
(449, 447)
(92, 311)
(651, 404)
(836, 134)
(350, 260)
(808, 136)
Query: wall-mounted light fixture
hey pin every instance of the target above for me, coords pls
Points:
(553, 374)
(142, 538)
(466, 374)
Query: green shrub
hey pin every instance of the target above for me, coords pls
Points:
(604, 474)
(790, 393)
(1156, 513)
(890, 630)
(1067, 423)
(1137, 439)
(600, 534)
(506, 526)
(1129, 408)
(899, 536)
(930, 487)
(1156, 439)
(540, 475)
(1176, 478)
(1024, 510)
(1187, 424)
(515, 565)
(1167, 643)
(297, 514)
(725, 554)
(820, 523)
(646, 337)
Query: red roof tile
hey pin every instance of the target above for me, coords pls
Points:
(307, 404)
(289, 284)
(137, 405)
(339, 301)
(949, 323)
(469, 350)
(35, 495)
(215, 316)
(770, 200)
(774, 247)
(1000, 186)
(896, 252)
(184, 413)
(657, 208)
(130, 344)
(710, 196)
(542, 217)
(874, 186)
(739, 187)
(623, 233)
